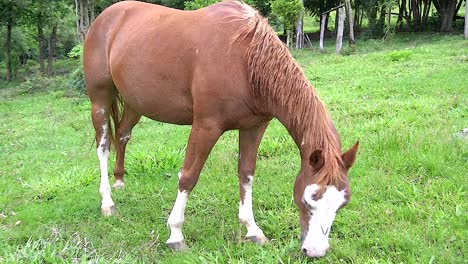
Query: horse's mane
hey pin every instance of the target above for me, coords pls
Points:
(278, 81)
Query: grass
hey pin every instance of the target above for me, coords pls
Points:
(409, 182)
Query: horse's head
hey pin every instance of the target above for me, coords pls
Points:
(319, 200)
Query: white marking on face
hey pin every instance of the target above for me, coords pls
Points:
(322, 214)
(246, 216)
(196, 51)
(103, 155)
(176, 218)
(303, 143)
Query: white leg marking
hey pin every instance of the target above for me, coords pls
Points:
(118, 184)
(101, 111)
(176, 218)
(323, 212)
(104, 188)
(246, 216)
(125, 138)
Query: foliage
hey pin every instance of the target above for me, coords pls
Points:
(261, 5)
(407, 122)
(264, 6)
(76, 52)
(197, 4)
(40, 83)
(76, 78)
(399, 55)
(287, 10)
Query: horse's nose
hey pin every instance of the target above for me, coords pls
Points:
(314, 252)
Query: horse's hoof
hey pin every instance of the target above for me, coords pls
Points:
(259, 240)
(108, 211)
(178, 246)
(118, 184)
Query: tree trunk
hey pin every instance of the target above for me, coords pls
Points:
(322, 30)
(52, 45)
(339, 32)
(300, 29)
(40, 44)
(466, 20)
(91, 7)
(9, 74)
(373, 20)
(289, 38)
(356, 17)
(446, 11)
(425, 14)
(381, 21)
(389, 20)
(350, 22)
(401, 12)
(416, 15)
(77, 20)
(82, 26)
(86, 16)
(361, 17)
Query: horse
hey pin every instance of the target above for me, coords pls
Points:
(218, 68)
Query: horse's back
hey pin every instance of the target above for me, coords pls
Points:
(168, 63)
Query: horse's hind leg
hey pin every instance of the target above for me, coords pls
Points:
(101, 108)
(249, 141)
(124, 130)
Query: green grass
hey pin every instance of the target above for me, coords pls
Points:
(409, 181)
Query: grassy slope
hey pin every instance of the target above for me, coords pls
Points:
(409, 186)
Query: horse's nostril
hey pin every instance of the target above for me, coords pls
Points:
(304, 250)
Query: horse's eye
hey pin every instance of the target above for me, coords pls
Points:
(310, 203)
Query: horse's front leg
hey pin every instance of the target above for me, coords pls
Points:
(202, 139)
(249, 140)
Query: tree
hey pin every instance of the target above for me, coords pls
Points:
(11, 14)
(300, 28)
(84, 13)
(288, 11)
(466, 20)
(317, 7)
(446, 10)
(46, 16)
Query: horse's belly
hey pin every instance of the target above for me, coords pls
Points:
(174, 108)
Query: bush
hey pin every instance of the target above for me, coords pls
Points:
(39, 83)
(62, 86)
(399, 55)
(76, 52)
(76, 78)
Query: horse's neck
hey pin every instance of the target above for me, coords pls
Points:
(308, 124)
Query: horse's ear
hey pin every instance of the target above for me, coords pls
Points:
(316, 160)
(350, 156)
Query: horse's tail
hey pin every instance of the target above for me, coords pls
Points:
(116, 116)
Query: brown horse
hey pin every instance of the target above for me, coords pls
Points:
(218, 68)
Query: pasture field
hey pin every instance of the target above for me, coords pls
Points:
(405, 100)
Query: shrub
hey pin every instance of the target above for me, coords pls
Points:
(76, 78)
(40, 83)
(399, 55)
